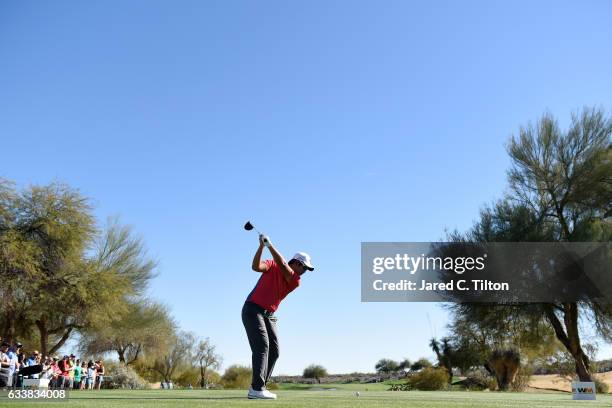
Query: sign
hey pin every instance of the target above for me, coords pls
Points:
(583, 390)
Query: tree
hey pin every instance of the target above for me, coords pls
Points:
(143, 330)
(404, 365)
(561, 190)
(444, 353)
(53, 226)
(18, 259)
(121, 251)
(207, 358)
(386, 365)
(420, 364)
(181, 352)
(315, 371)
(565, 178)
(51, 285)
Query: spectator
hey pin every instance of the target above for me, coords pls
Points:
(34, 359)
(13, 364)
(77, 375)
(83, 375)
(66, 366)
(20, 363)
(55, 374)
(91, 375)
(5, 377)
(20, 354)
(71, 372)
(99, 374)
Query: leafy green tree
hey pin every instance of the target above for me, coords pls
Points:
(404, 365)
(315, 371)
(18, 262)
(561, 190)
(55, 225)
(420, 364)
(387, 366)
(142, 331)
(51, 284)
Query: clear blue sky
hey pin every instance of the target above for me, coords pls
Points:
(327, 123)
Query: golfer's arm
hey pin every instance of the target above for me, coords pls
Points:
(257, 265)
(280, 261)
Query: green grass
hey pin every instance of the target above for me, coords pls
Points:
(315, 399)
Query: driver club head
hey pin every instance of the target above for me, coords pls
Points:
(248, 226)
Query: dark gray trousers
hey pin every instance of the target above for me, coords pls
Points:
(260, 327)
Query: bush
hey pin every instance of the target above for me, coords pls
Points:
(188, 375)
(272, 386)
(429, 379)
(214, 380)
(600, 386)
(478, 380)
(120, 376)
(236, 377)
(315, 371)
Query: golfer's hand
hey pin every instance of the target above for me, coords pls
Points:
(264, 240)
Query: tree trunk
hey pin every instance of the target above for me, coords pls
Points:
(571, 339)
(121, 353)
(136, 354)
(10, 327)
(202, 377)
(44, 336)
(571, 323)
(62, 340)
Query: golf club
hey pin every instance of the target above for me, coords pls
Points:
(249, 226)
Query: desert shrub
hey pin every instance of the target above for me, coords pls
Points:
(600, 386)
(429, 379)
(315, 371)
(236, 377)
(214, 380)
(272, 386)
(479, 379)
(120, 376)
(188, 375)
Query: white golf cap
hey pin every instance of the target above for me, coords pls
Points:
(304, 258)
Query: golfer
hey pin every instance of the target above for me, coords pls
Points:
(278, 278)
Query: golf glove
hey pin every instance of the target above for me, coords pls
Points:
(265, 239)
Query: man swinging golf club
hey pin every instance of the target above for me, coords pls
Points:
(278, 278)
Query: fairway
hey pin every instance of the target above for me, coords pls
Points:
(331, 398)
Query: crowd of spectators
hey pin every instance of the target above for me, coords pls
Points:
(67, 372)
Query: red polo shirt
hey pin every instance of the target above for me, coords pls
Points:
(272, 287)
